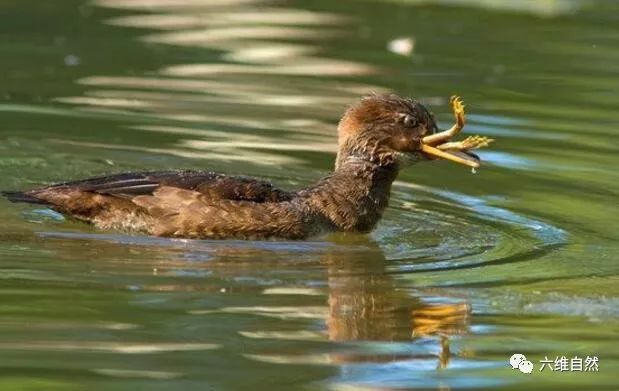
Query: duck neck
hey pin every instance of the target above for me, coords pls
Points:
(355, 195)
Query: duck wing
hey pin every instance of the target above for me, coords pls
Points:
(132, 184)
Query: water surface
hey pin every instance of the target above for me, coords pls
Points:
(463, 271)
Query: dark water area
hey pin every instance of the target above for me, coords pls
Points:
(463, 271)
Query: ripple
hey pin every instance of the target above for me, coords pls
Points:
(266, 15)
(107, 347)
(540, 8)
(303, 335)
(212, 36)
(58, 325)
(148, 5)
(596, 309)
(140, 374)
(448, 239)
(280, 312)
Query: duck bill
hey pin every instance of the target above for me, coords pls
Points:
(455, 156)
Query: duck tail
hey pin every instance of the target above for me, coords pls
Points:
(19, 196)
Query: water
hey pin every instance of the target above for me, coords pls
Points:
(463, 271)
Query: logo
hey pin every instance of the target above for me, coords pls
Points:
(519, 361)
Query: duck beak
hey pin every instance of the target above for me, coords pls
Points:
(462, 157)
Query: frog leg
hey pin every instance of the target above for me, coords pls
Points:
(457, 105)
(471, 142)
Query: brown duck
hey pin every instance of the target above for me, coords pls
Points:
(378, 137)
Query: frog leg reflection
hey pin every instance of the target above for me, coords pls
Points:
(442, 321)
(444, 354)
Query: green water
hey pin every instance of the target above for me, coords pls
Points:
(463, 271)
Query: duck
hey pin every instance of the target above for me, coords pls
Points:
(378, 136)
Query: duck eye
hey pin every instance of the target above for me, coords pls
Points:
(409, 120)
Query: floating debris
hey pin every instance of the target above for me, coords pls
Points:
(403, 46)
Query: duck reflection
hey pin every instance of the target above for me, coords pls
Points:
(366, 304)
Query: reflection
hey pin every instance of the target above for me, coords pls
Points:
(151, 5)
(305, 67)
(214, 36)
(546, 8)
(228, 109)
(346, 287)
(107, 347)
(191, 153)
(365, 304)
(132, 373)
(263, 74)
(266, 15)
